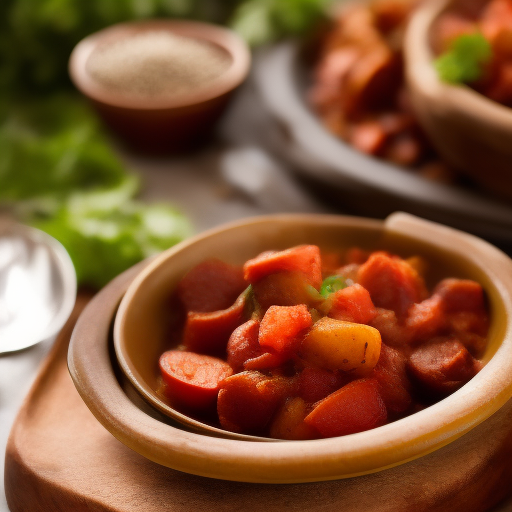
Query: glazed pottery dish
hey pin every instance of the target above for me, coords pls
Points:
(471, 131)
(160, 84)
(466, 433)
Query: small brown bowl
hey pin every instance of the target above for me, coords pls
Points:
(472, 132)
(163, 124)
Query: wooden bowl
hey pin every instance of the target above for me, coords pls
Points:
(162, 124)
(470, 131)
(472, 422)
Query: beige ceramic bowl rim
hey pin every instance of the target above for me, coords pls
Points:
(391, 444)
(419, 59)
(223, 37)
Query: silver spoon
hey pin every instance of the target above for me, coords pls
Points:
(37, 286)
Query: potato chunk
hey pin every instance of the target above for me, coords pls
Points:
(337, 345)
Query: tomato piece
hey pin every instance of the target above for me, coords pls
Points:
(192, 379)
(352, 304)
(283, 327)
(392, 283)
(248, 400)
(284, 289)
(303, 258)
(243, 345)
(336, 345)
(316, 383)
(208, 333)
(394, 385)
(288, 422)
(355, 407)
(442, 367)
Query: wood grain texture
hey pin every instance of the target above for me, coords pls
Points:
(59, 458)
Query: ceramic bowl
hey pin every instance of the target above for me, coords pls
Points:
(163, 124)
(473, 422)
(350, 180)
(470, 131)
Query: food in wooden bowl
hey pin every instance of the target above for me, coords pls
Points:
(471, 127)
(300, 344)
(141, 336)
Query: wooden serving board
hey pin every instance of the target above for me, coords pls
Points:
(59, 458)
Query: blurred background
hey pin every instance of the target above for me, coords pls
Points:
(59, 168)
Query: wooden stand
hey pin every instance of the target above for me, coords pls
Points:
(59, 458)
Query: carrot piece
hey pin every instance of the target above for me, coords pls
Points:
(442, 367)
(355, 407)
(208, 333)
(392, 283)
(193, 379)
(394, 385)
(288, 422)
(283, 327)
(316, 383)
(248, 400)
(352, 304)
(210, 286)
(243, 345)
(303, 258)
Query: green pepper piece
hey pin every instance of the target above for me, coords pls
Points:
(332, 284)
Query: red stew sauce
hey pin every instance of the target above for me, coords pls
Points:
(299, 344)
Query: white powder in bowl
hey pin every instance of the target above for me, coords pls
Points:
(157, 64)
